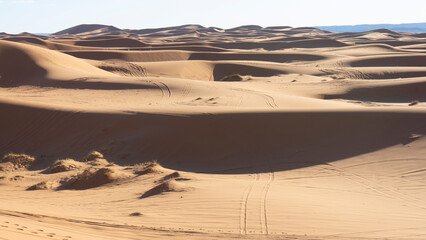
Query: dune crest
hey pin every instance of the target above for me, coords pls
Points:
(22, 64)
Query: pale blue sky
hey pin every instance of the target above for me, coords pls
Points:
(47, 16)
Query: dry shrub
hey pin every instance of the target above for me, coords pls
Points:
(414, 103)
(169, 186)
(100, 162)
(91, 178)
(96, 158)
(147, 167)
(16, 178)
(135, 214)
(93, 156)
(232, 78)
(64, 165)
(41, 186)
(172, 175)
(17, 161)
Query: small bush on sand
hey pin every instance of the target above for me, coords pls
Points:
(93, 156)
(97, 159)
(168, 186)
(135, 214)
(91, 178)
(18, 160)
(101, 162)
(41, 186)
(147, 167)
(64, 165)
(172, 175)
(414, 103)
(232, 78)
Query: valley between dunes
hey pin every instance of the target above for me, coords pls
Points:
(204, 133)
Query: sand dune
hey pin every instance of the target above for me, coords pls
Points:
(132, 56)
(50, 44)
(114, 42)
(278, 44)
(193, 132)
(390, 92)
(409, 60)
(20, 63)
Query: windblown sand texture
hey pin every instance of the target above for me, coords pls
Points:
(208, 133)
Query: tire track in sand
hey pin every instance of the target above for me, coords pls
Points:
(263, 207)
(378, 188)
(244, 203)
(255, 197)
(167, 89)
(269, 100)
(163, 88)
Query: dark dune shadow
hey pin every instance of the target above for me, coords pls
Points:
(392, 61)
(225, 143)
(222, 70)
(17, 66)
(404, 92)
(79, 83)
(184, 48)
(115, 42)
(252, 45)
(278, 141)
(272, 57)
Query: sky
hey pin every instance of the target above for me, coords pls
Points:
(49, 16)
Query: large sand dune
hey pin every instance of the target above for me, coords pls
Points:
(209, 133)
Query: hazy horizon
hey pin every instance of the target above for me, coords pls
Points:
(47, 16)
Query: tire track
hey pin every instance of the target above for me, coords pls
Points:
(167, 88)
(270, 101)
(159, 87)
(163, 88)
(257, 193)
(244, 203)
(264, 212)
(391, 193)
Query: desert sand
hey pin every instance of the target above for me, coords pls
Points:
(191, 132)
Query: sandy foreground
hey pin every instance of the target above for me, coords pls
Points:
(205, 133)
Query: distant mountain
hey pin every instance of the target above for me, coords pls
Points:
(99, 29)
(405, 27)
(187, 27)
(84, 28)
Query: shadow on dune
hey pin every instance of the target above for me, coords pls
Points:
(175, 55)
(271, 57)
(115, 42)
(17, 66)
(222, 70)
(224, 143)
(79, 83)
(199, 48)
(391, 61)
(26, 39)
(403, 92)
(393, 43)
